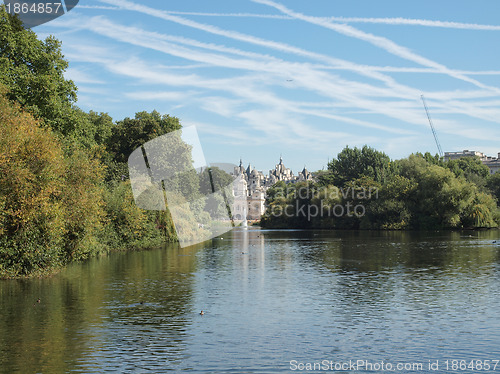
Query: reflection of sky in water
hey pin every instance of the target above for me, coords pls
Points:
(269, 297)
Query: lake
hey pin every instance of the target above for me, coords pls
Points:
(273, 301)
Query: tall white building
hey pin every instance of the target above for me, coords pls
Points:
(250, 188)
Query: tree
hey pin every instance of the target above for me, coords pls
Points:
(395, 205)
(431, 159)
(354, 163)
(471, 168)
(32, 175)
(482, 212)
(214, 179)
(278, 198)
(33, 71)
(132, 133)
(129, 225)
(324, 177)
(493, 184)
(51, 201)
(434, 160)
(427, 196)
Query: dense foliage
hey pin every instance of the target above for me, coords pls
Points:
(351, 164)
(64, 194)
(51, 202)
(364, 189)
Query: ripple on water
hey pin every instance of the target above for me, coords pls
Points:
(291, 295)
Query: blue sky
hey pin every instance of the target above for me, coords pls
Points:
(261, 78)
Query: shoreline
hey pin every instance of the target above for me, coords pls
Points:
(50, 272)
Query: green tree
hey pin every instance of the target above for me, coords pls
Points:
(443, 200)
(132, 133)
(431, 159)
(324, 177)
(129, 225)
(102, 125)
(83, 203)
(392, 208)
(471, 168)
(214, 179)
(51, 201)
(278, 198)
(33, 71)
(354, 163)
(482, 212)
(414, 193)
(493, 184)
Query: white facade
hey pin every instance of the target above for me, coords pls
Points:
(240, 204)
(466, 153)
(493, 163)
(250, 188)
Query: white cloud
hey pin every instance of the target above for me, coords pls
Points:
(277, 46)
(98, 7)
(80, 76)
(160, 95)
(381, 42)
(275, 100)
(416, 22)
(239, 15)
(397, 21)
(350, 93)
(396, 89)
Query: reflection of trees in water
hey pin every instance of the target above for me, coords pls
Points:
(136, 306)
(375, 251)
(151, 308)
(370, 272)
(44, 336)
(90, 315)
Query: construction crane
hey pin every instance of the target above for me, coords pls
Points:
(440, 151)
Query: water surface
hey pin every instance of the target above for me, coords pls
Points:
(272, 300)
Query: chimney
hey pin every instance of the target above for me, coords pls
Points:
(499, 155)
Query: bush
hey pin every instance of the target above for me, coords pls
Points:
(52, 206)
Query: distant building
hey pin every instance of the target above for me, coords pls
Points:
(448, 156)
(493, 163)
(305, 175)
(250, 186)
